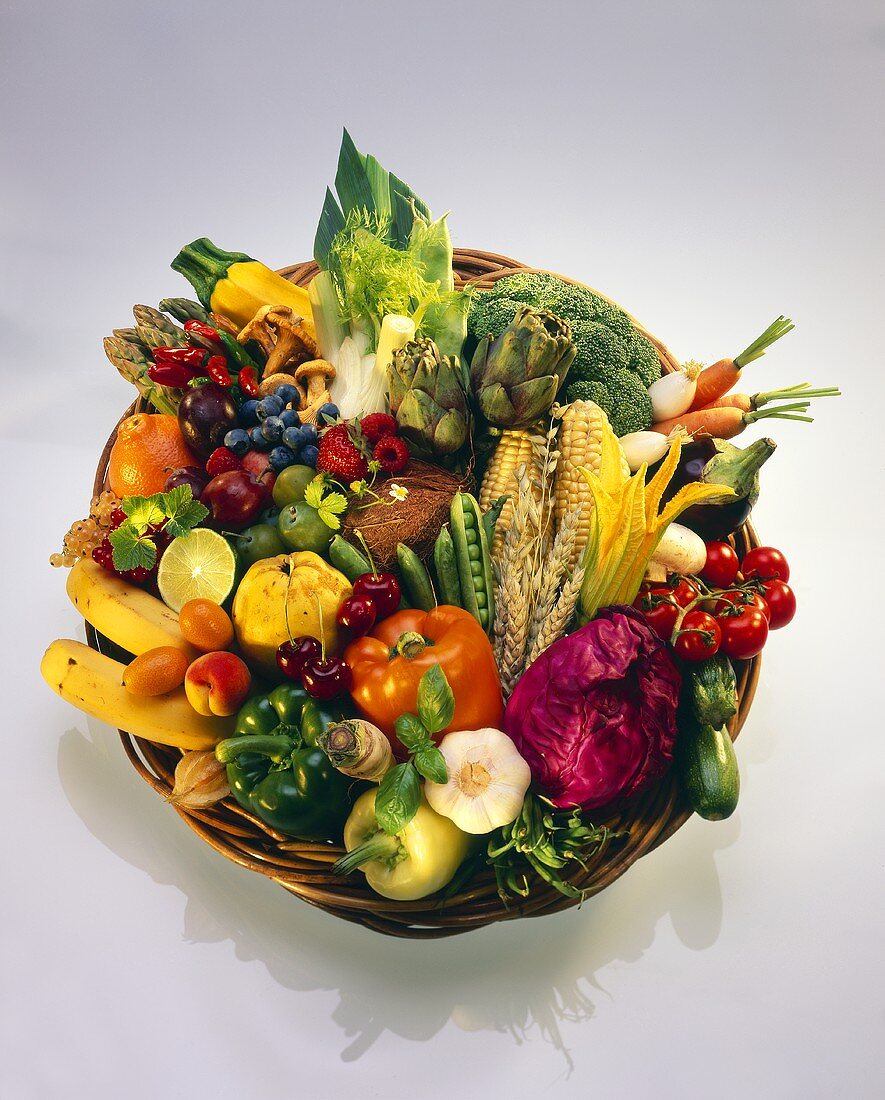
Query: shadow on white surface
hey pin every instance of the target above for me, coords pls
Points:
(521, 978)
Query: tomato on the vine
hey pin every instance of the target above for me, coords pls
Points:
(765, 561)
(781, 601)
(659, 609)
(685, 591)
(722, 564)
(741, 599)
(744, 634)
(699, 637)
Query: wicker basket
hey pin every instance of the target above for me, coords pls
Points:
(304, 868)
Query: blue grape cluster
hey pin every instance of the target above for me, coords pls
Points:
(268, 425)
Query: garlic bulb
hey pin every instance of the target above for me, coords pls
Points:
(487, 783)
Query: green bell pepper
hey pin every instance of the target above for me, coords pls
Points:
(276, 770)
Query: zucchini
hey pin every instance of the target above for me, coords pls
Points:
(711, 689)
(416, 579)
(708, 770)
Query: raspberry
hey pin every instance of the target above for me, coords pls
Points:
(392, 453)
(376, 426)
(221, 460)
(339, 456)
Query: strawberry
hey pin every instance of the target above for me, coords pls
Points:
(392, 453)
(376, 426)
(339, 456)
(221, 460)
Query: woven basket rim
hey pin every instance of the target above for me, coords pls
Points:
(304, 868)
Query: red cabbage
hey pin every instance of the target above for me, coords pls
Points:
(595, 715)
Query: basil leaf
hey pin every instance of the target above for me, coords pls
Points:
(432, 765)
(436, 703)
(411, 732)
(398, 798)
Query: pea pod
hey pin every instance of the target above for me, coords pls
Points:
(416, 579)
(347, 559)
(490, 516)
(472, 557)
(447, 569)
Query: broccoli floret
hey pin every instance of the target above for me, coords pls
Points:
(599, 352)
(643, 359)
(533, 288)
(622, 397)
(491, 315)
(630, 405)
(587, 391)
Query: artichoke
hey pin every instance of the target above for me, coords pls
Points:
(428, 397)
(515, 377)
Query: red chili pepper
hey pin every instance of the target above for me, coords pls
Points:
(191, 357)
(198, 328)
(177, 375)
(248, 381)
(217, 370)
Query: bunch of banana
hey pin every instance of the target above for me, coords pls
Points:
(137, 621)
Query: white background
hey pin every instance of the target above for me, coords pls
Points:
(709, 165)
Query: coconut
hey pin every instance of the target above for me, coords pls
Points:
(416, 521)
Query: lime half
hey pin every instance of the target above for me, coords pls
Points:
(198, 565)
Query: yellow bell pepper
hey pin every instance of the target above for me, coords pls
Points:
(235, 285)
(414, 863)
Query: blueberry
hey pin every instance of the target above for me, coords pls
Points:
(246, 413)
(309, 455)
(287, 394)
(258, 441)
(327, 413)
(280, 457)
(269, 406)
(295, 438)
(238, 441)
(310, 433)
(272, 429)
(290, 418)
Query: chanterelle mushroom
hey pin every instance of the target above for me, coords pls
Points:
(313, 379)
(283, 338)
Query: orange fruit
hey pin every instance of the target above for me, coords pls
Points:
(147, 448)
(205, 625)
(156, 671)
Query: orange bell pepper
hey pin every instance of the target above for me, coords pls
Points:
(388, 664)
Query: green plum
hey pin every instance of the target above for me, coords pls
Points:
(259, 542)
(302, 529)
(291, 483)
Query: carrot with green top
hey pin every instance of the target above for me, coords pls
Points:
(751, 402)
(716, 380)
(725, 422)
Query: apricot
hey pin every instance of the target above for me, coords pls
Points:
(217, 683)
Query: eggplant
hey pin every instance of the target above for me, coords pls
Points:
(718, 462)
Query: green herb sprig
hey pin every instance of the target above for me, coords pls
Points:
(399, 794)
(175, 512)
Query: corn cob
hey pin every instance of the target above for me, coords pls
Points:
(580, 445)
(515, 448)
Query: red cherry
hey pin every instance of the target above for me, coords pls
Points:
(326, 679)
(382, 588)
(357, 614)
(292, 656)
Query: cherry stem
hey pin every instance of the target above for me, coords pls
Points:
(322, 629)
(359, 535)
